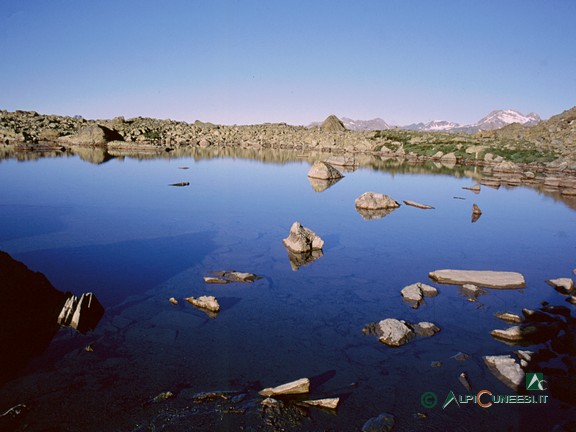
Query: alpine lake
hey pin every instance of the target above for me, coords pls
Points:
(115, 227)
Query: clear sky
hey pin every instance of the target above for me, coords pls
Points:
(247, 61)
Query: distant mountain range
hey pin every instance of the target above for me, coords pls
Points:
(495, 120)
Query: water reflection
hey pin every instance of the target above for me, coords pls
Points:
(368, 214)
(320, 185)
(31, 312)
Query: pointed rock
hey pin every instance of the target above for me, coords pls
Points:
(329, 403)
(333, 124)
(301, 239)
(324, 171)
(300, 386)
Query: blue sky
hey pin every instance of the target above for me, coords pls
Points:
(243, 62)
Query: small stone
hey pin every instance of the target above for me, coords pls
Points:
(474, 188)
(571, 299)
(180, 184)
(382, 423)
(435, 364)
(463, 378)
(514, 333)
(89, 348)
(269, 402)
(460, 356)
(524, 355)
(509, 317)
(563, 285)
(214, 280)
(412, 294)
(425, 329)
(329, 403)
(163, 396)
(418, 205)
(173, 301)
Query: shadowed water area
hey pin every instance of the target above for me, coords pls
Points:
(117, 228)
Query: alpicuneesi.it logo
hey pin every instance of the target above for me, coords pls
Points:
(485, 398)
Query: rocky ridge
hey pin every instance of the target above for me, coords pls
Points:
(549, 145)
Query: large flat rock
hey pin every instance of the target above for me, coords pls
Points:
(484, 278)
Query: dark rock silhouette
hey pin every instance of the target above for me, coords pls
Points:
(29, 306)
(31, 310)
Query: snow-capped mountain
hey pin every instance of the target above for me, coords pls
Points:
(495, 120)
(374, 124)
(500, 118)
(433, 126)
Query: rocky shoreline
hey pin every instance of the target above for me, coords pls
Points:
(543, 156)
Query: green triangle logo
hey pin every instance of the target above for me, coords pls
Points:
(451, 397)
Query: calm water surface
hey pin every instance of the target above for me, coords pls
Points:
(118, 230)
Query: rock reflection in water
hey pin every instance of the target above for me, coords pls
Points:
(82, 315)
(320, 185)
(374, 214)
(298, 260)
(29, 311)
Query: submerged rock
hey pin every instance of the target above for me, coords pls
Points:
(375, 201)
(324, 171)
(215, 280)
(382, 423)
(509, 317)
(506, 369)
(225, 276)
(485, 278)
(300, 386)
(301, 239)
(475, 188)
